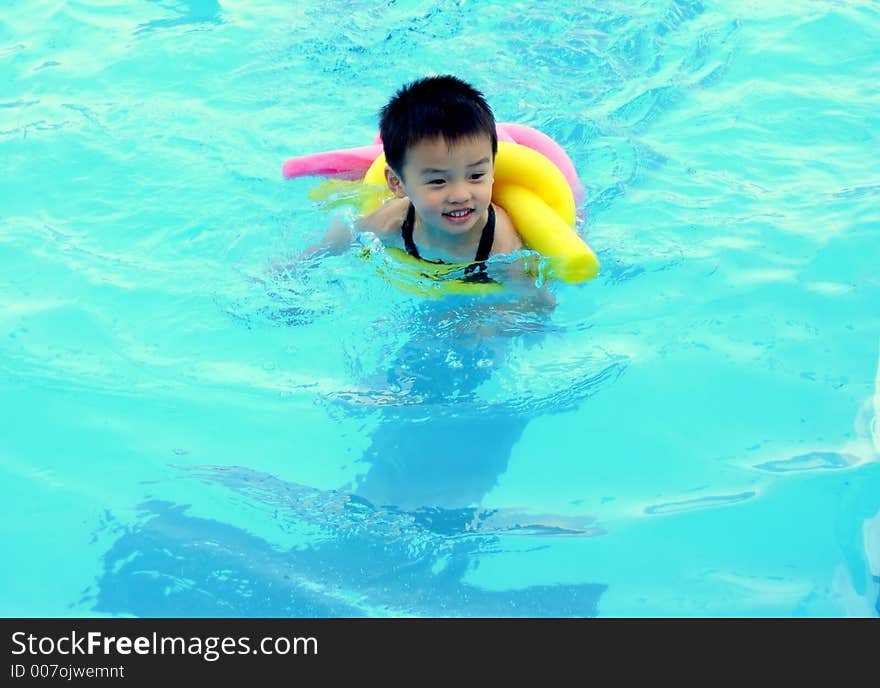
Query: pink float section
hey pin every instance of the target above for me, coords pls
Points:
(353, 163)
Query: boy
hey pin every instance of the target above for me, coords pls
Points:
(440, 145)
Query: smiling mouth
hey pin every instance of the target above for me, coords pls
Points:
(459, 214)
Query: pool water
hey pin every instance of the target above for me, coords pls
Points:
(194, 424)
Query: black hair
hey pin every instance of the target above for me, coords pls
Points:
(436, 106)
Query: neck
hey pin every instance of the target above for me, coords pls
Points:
(450, 246)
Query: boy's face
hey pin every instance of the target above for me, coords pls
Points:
(450, 186)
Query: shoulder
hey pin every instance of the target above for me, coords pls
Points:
(386, 220)
(507, 239)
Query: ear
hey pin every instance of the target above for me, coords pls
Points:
(394, 182)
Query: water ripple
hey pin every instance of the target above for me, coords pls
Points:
(700, 503)
(813, 461)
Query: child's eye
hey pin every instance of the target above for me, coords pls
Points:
(478, 176)
(436, 182)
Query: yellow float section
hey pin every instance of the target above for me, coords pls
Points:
(432, 280)
(538, 199)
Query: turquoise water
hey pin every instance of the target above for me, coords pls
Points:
(186, 431)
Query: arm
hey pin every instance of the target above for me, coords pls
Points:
(336, 240)
(520, 281)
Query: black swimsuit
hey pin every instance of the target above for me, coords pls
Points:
(474, 272)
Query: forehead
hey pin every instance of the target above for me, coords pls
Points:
(442, 154)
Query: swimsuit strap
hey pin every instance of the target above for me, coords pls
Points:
(487, 239)
(406, 231)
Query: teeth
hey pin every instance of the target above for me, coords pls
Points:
(458, 213)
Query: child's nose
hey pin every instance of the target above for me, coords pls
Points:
(459, 193)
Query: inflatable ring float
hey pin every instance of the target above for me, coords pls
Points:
(535, 183)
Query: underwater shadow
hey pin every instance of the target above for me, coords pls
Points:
(355, 560)
(443, 435)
